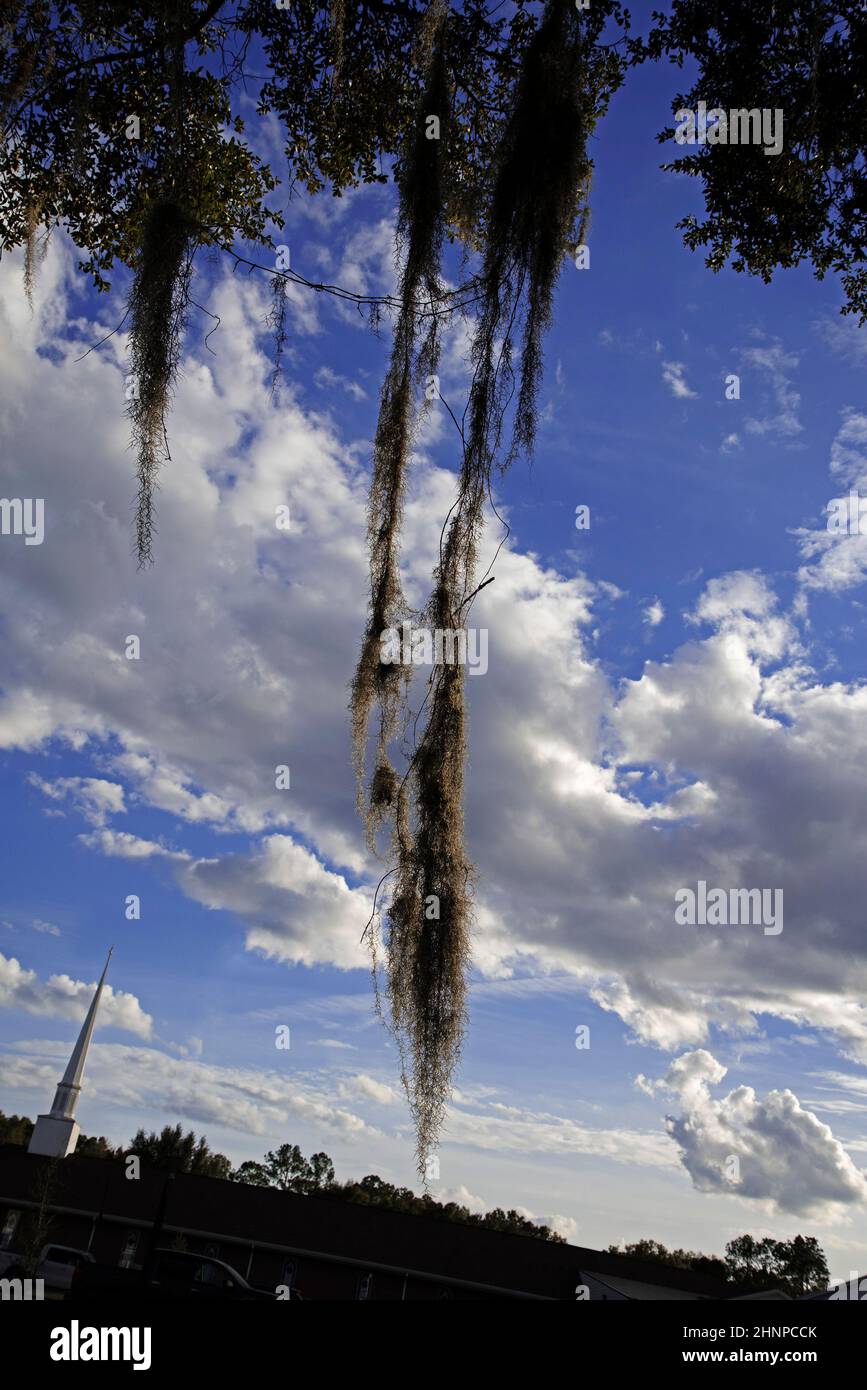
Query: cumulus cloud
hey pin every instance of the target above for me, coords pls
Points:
(93, 797)
(62, 997)
(565, 1226)
(464, 1198)
(148, 1080)
(294, 908)
(696, 767)
(769, 1149)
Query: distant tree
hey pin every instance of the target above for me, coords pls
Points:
(288, 1170)
(176, 1152)
(795, 1266)
(806, 1268)
(514, 1223)
(15, 1129)
(321, 1171)
(753, 1262)
(251, 1173)
(642, 1250)
(91, 1146)
(654, 1251)
(374, 1191)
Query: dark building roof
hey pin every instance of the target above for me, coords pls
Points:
(369, 1237)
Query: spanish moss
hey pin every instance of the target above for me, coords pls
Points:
(35, 249)
(537, 195)
(157, 306)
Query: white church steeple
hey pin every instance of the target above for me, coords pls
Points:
(57, 1132)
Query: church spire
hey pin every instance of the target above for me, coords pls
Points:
(57, 1132)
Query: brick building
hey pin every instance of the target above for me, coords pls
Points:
(324, 1248)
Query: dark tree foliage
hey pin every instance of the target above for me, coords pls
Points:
(795, 1267)
(97, 1146)
(807, 58)
(15, 1129)
(374, 1191)
(176, 1152)
(286, 1168)
(655, 1252)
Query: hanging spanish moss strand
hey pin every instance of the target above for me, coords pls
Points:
(540, 182)
(36, 244)
(420, 231)
(541, 185)
(35, 249)
(157, 306)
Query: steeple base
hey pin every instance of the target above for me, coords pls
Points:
(54, 1136)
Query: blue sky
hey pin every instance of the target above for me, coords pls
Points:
(676, 693)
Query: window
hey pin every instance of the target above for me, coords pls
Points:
(175, 1268)
(55, 1254)
(130, 1246)
(365, 1286)
(212, 1274)
(9, 1229)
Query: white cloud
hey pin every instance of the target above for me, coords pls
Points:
(119, 844)
(326, 377)
(367, 1086)
(61, 997)
(844, 335)
(47, 927)
(565, 1226)
(93, 797)
(653, 614)
(34, 924)
(463, 1197)
(734, 735)
(774, 366)
(509, 1129)
(294, 908)
(673, 374)
(785, 1156)
(837, 562)
(148, 1080)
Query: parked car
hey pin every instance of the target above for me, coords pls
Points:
(173, 1274)
(57, 1265)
